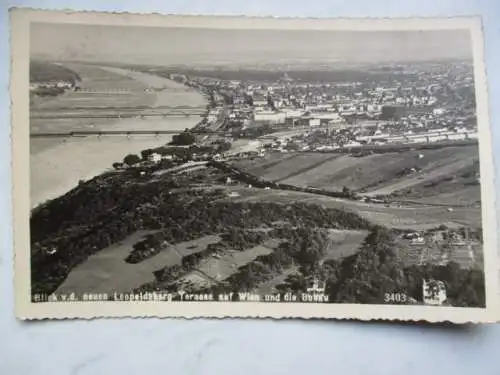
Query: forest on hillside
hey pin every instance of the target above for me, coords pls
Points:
(111, 207)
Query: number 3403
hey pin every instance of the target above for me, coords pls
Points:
(395, 298)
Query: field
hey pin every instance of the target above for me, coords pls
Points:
(214, 270)
(279, 167)
(466, 256)
(416, 217)
(344, 243)
(107, 271)
(446, 175)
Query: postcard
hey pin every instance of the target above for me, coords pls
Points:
(209, 166)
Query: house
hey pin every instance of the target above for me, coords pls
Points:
(434, 292)
(317, 287)
(213, 115)
(418, 241)
(63, 84)
(154, 157)
(314, 122)
(238, 100)
(260, 102)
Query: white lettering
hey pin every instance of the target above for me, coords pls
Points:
(249, 297)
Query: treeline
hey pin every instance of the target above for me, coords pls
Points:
(234, 220)
(48, 91)
(376, 270)
(151, 245)
(367, 276)
(305, 246)
(255, 131)
(184, 153)
(363, 278)
(185, 138)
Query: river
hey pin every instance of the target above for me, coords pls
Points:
(57, 165)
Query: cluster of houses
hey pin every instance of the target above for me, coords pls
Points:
(56, 84)
(453, 238)
(417, 110)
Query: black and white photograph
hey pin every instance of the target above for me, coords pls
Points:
(277, 166)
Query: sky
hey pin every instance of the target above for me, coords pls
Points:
(188, 46)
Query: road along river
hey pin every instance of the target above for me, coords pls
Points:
(58, 164)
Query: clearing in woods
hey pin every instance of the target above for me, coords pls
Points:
(214, 270)
(344, 243)
(107, 271)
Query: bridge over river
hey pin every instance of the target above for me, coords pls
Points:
(117, 113)
(118, 132)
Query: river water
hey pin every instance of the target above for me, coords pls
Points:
(56, 165)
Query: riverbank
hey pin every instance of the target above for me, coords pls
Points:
(57, 165)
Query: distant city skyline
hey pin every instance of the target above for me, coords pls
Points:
(190, 46)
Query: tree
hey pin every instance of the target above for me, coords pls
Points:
(224, 146)
(131, 159)
(270, 102)
(249, 100)
(183, 139)
(347, 192)
(146, 153)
